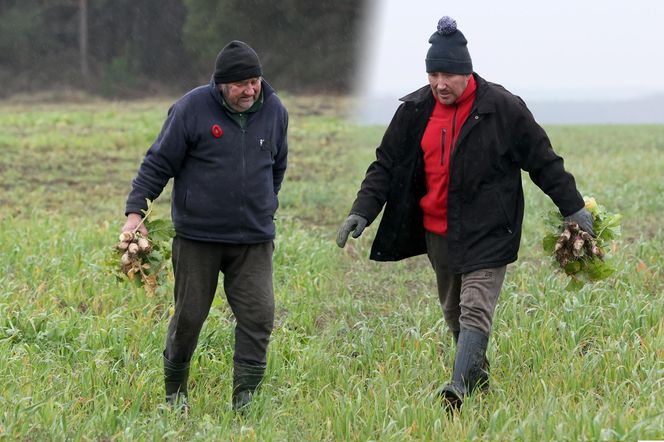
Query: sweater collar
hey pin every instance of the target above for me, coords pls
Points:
(467, 96)
(469, 93)
(254, 107)
(266, 92)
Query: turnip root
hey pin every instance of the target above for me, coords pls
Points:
(125, 259)
(143, 245)
(126, 237)
(132, 249)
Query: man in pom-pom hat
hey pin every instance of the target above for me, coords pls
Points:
(225, 145)
(448, 172)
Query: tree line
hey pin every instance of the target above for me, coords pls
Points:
(139, 47)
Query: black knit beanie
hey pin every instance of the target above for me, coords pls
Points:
(448, 52)
(236, 62)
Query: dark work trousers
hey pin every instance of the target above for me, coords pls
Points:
(247, 273)
(469, 299)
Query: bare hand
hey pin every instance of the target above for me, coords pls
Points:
(133, 220)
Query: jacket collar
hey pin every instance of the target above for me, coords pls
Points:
(422, 95)
(484, 100)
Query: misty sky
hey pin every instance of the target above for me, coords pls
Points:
(564, 49)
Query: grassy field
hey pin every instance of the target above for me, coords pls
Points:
(359, 347)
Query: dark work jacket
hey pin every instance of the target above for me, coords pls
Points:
(225, 188)
(485, 196)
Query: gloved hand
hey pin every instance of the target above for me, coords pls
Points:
(353, 222)
(584, 219)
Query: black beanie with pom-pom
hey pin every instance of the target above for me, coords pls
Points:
(448, 52)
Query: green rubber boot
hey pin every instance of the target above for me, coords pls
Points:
(246, 378)
(175, 381)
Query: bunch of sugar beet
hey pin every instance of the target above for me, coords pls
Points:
(575, 244)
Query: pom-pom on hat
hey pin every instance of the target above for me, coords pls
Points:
(237, 61)
(448, 52)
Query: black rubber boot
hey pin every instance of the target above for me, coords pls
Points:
(469, 370)
(175, 380)
(484, 374)
(246, 378)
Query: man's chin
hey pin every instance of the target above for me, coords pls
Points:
(246, 105)
(447, 99)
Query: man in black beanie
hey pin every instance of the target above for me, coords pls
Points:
(448, 172)
(225, 145)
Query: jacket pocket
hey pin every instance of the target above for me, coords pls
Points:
(484, 215)
(266, 146)
(506, 219)
(180, 196)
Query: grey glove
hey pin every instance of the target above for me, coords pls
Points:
(584, 219)
(353, 222)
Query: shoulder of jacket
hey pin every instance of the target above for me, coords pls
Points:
(501, 96)
(196, 93)
(418, 96)
(273, 101)
(192, 98)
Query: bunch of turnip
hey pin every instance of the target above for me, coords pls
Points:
(144, 262)
(134, 248)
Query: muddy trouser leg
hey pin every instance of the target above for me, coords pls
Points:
(196, 267)
(479, 293)
(248, 286)
(468, 300)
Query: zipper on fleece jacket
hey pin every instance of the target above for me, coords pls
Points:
(243, 185)
(442, 143)
(442, 148)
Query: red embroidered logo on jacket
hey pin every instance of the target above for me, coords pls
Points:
(216, 131)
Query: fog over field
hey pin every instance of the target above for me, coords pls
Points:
(572, 62)
(644, 110)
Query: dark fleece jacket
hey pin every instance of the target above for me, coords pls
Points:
(225, 182)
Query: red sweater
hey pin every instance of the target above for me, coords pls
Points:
(437, 143)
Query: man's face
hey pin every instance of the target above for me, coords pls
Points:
(447, 88)
(241, 95)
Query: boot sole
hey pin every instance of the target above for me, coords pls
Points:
(452, 399)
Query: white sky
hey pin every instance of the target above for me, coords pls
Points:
(558, 49)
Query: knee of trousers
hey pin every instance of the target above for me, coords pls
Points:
(259, 319)
(476, 318)
(187, 324)
(452, 317)
(452, 313)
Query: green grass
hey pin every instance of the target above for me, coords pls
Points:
(359, 347)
